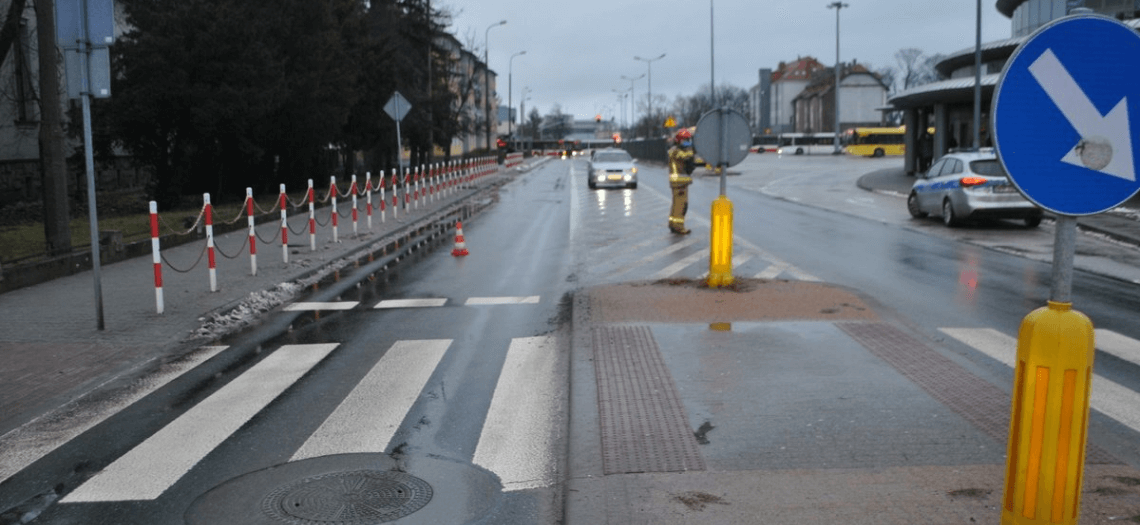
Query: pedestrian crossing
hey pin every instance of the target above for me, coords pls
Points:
(626, 238)
(517, 434)
(1108, 397)
(518, 430)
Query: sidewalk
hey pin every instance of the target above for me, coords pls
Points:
(54, 354)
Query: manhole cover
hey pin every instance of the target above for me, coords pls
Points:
(348, 498)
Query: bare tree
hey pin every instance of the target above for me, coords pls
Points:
(57, 229)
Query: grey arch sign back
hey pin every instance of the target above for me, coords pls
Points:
(723, 137)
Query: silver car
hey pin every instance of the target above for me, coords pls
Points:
(969, 185)
(612, 167)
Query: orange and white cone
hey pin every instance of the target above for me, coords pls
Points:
(460, 246)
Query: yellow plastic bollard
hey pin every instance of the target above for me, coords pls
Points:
(720, 240)
(1048, 426)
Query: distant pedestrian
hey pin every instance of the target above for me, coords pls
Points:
(925, 151)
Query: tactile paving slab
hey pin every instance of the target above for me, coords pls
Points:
(981, 403)
(643, 424)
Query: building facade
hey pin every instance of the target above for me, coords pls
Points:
(861, 95)
(788, 81)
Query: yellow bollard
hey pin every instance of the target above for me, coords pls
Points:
(1049, 417)
(720, 239)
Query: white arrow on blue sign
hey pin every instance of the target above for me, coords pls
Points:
(1065, 115)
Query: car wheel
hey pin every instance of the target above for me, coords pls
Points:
(878, 153)
(1033, 222)
(912, 206)
(948, 217)
(799, 151)
(633, 185)
(592, 185)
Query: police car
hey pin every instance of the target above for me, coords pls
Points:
(968, 185)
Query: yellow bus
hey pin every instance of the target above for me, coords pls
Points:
(874, 142)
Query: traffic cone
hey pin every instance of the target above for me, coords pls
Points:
(460, 246)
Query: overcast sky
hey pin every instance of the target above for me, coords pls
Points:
(578, 51)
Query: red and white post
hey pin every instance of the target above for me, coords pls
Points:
(368, 197)
(352, 189)
(252, 233)
(283, 202)
(395, 196)
(383, 205)
(407, 185)
(158, 301)
(312, 218)
(333, 192)
(416, 187)
(209, 211)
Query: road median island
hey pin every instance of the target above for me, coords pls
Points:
(691, 301)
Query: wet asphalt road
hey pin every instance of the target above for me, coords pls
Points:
(499, 369)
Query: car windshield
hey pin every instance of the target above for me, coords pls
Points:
(612, 156)
(989, 168)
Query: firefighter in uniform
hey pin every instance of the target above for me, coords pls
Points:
(681, 165)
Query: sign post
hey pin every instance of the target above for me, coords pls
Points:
(1064, 135)
(722, 139)
(84, 30)
(397, 108)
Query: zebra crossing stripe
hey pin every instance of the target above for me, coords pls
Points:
(366, 420)
(411, 303)
(772, 271)
(737, 261)
(657, 255)
(340, 305)
(1118, 345)
(680, 265)
(156, 464)
(482, 301)
(1108, 397)
(520, 425)
(40, 438)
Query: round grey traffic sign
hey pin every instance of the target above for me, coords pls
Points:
(722, 137)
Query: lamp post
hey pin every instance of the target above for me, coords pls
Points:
(522, 105)
(837, 6)
(649, 65)
(510, 91)
(632, 98)
(487, 77)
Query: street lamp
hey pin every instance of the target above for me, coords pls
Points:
(632, 98)
(487, 77)
(649, 64)
(837, 6)
(510, 91)
(522, 108)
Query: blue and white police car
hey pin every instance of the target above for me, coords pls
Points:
(969, 185)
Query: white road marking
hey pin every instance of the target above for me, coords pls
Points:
(519, 430)
(154, 465)
(737, 261)
(657, 255)
(680, 265)
(27, 444)
(481, 301)
(369, 416)
(1118, 345)
(339, 305)
(1108, 397)
(411, 303)
(772, 271)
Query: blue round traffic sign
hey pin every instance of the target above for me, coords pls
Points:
(1066, 115)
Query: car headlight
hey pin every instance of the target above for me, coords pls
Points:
(601, 177)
